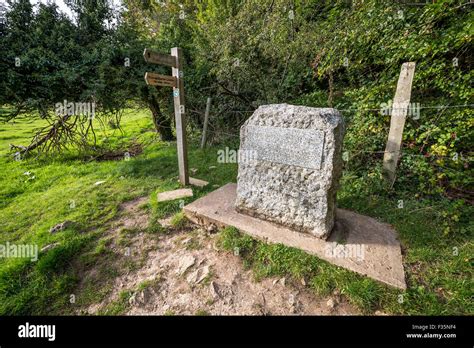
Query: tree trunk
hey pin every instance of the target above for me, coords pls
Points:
(162, 124)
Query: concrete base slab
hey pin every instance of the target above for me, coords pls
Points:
(175, 194)
(367, 246)
(198, 182)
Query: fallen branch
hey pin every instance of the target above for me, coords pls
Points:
(57, 134)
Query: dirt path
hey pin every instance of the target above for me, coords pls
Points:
(184, 273)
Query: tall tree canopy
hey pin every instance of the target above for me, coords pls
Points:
(345, 54)
(50, 58)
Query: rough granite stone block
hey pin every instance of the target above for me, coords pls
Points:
(290, 166)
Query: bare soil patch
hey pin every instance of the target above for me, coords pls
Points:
(184, 273)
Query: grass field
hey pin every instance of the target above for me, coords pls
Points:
(38, 193)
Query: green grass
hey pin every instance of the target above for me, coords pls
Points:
(438, 266)
(118, 306)
(436, 233)
(63, 189)
(178, 220)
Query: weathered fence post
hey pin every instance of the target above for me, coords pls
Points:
(206, 120)
(400, 107)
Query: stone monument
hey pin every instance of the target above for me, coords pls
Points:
(294, 166)
(290, 164)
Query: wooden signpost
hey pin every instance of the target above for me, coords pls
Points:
(175, 61)
(401, 103)
(159, 58)
(153, 79)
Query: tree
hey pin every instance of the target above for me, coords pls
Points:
(49, 59)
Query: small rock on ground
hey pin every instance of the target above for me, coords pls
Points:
(185, 263)
(61, 226)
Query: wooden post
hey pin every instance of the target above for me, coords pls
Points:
(206, 120)
(180, 116)
(175, 61)
(401, 103)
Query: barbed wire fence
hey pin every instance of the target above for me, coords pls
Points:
(224, 134)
